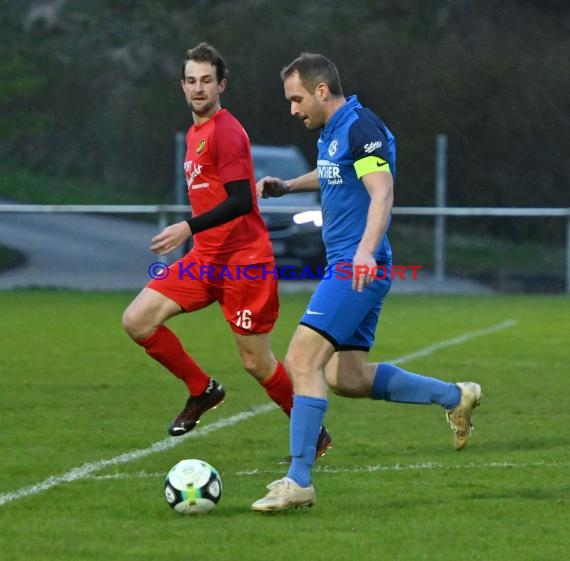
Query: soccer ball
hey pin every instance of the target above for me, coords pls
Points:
(192, 487)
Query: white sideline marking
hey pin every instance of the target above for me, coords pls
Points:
(85, 470)
(455, 341)
(425, 466)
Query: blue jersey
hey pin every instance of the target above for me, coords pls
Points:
(354, 142)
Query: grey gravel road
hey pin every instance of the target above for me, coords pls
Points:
(83, 252)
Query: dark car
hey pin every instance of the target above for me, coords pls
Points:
(294, 221)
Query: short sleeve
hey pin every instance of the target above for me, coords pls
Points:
(232, 153)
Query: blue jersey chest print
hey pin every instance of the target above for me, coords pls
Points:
(352, 135)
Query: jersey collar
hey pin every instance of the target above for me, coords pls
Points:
(339, 117)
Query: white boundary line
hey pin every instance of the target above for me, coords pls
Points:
(455, 341)
(86, 470)
(426, 466)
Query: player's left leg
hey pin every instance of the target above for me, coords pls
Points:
(349, 375)
(250, 305)
(384, 380)
(392, 383)
(389, 382)
(258, 360)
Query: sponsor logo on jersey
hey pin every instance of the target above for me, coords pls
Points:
(330, 171)
(191, 170)
(333, 147)
(371, 146)
(201, 146)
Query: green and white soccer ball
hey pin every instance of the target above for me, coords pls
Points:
(192, 487)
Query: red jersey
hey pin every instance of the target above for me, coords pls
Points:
(218, 151)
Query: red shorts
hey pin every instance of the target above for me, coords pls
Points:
(247, 294)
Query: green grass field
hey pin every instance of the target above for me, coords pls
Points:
(84, 448)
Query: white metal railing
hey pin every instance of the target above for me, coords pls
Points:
(162, 211)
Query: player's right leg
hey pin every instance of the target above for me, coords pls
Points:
(308, 352)
(143, 320)
(149, 310)
(334, 312)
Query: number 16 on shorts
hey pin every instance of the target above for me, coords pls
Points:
(244, 319)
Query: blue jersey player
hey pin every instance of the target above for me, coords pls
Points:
(355, 172)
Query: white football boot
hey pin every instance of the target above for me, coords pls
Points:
(283, 495)
(459, 418)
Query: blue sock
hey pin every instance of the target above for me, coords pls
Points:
(395, 384)
(306, 419)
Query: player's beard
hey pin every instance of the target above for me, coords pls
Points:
(308, 123)
(315, 121)
(204, 109)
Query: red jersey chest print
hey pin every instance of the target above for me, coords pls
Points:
(218, 152)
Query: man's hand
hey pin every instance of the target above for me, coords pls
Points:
(362, 267)
(271, 187)
(170, 238)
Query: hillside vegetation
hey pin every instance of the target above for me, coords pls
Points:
(90, 90)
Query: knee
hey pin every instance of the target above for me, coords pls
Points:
(259, 366)
(297, 366)
(334, 382)
(341, 389)
(133, 325)
(349, 384)
(335, 387)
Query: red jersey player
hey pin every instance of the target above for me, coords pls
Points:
(230, 237)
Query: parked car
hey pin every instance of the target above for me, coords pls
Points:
(295, 221)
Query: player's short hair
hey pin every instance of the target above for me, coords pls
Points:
(314, 69)
(206, 53)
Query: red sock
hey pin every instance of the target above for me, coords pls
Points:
(280, 389)
(166, 348)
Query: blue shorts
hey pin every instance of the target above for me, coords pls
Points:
(345, 317)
